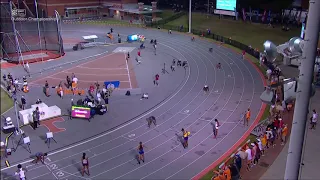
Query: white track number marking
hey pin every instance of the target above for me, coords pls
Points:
(53, 167)
(55, 170)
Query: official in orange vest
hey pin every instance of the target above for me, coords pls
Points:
(60, 91)
(25, 89)
(248, 115)
(284, 134)
(74, 87)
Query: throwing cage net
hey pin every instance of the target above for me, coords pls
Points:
(25, 38)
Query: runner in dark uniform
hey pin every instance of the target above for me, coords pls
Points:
(85, 165)
(141, 153)
(39, 156)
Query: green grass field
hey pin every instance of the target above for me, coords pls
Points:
(6, 101)
(245, 32)
(165, 14)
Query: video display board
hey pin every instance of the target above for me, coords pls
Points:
(228, 5)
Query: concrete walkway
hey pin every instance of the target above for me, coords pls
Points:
(310, 155)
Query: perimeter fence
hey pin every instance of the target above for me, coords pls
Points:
(28, 34)
(204, 33)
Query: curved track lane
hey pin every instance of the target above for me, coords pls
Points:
(233, 89)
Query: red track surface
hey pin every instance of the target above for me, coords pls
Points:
(111, 67)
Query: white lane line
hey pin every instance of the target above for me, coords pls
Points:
(224, 137)
(128, 70)
(100, 74)
(161, 114)
(120, 127)
(109, 69)
(76, 66)
(204, 139)
(139, 126)
(199, 93)
(205, 119)
(190, 137)
(228, 110)
(167, 130)
(78, 80)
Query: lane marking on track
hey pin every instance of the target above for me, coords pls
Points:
(114, 130)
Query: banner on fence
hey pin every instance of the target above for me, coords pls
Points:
(261, 128)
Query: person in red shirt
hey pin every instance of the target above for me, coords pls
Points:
(156, 79)
(243, 54)
(281, 125)
(139, 53)
(91, 90)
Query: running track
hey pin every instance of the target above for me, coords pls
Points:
(113, 156)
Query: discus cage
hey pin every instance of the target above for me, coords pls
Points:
(25, 37)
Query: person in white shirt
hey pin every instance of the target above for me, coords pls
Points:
(249, 158)
(21, 172)
(216, 127)
(75, 80)
(27, 68)
(314, 119)
(99, 97)
(269, 72)
(260, 147)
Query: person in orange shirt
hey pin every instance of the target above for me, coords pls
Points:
(284, 134)
(227, 173)
(219, 175)
(247, 118)
(264, 143)
(60, 91)
(74, 87)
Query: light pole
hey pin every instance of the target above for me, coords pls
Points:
(303, 92)
(190, 2)
(15, 101)
(208, 10)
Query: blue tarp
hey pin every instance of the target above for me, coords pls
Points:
(133, 37)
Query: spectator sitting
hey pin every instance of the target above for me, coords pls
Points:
(38, 101)
(145, 96)
(87, 100)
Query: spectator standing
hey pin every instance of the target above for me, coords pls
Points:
(253, 153)
(36, 118)
(249, 158)
(23, 102)
(314, 119)
(46, 86)
(284, 134)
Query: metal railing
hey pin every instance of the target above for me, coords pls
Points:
(254, 52)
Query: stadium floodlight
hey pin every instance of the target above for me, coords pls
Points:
(270, 50)
(305, 51)
(296, 45)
